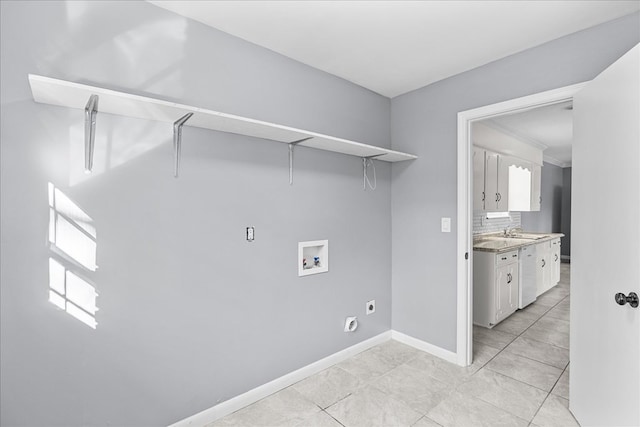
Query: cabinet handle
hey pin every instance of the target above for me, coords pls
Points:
(497, 199)
(509, 277)
(499, 196)
(483, 196)
(543, 263)
(514, 256)
(556, 257)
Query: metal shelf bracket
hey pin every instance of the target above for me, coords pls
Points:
(90, 113)
(177, 142)
(291, 147)
(364, 170)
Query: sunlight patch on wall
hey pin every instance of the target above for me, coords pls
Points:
(71, 229)
(72, 236)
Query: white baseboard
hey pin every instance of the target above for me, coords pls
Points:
(440, 352)
(225, 408)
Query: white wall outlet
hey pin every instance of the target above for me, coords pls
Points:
(250, 234)
(350, 324)
(371, 307)
(446, 225)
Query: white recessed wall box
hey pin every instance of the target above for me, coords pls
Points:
(313, 257)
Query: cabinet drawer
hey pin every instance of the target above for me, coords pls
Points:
(506, 258)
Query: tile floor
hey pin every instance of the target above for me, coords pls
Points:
(519, 377)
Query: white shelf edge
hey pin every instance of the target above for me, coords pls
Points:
(63, 93)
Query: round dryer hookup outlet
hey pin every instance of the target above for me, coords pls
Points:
(351, 324)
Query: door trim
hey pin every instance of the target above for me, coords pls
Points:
(464, 348)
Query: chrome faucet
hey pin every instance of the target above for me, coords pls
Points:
(512, 232)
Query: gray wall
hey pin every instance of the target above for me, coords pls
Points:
(190, 313)
(565, 221)
(548, 219)
(424, 122)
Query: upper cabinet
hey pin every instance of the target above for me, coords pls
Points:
(478, 178)
(496, 182)
(506, 171)
(504, 183)
(536, 195)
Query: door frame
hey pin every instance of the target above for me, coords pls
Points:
(464, 348)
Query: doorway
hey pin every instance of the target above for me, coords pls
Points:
(465, 202)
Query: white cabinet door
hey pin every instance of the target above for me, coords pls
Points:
(554, 257)
(506, 290)
(503, 184)
(542, 268)
(491, 181)
(478, 179)
(496, 182)
(502, 292)
(605, 337)
(536, 195)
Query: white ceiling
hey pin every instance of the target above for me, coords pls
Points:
(549, 127)
(393, 47)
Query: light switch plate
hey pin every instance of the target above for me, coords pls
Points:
(446, 225)
(250, 234)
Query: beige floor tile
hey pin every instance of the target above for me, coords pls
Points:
(464, 410)
(426, 422)
(482, 354)
(559, 312)
(517, 323)
(492, 337)
(371, 407)
(397, 352)
(535, 309)
(319, 419)
(416, 388)
(327, 387)
(562, 386)
(540, 333)
(549, 300)
(368, 364)
(540, 351)
(442, 370)
(555, 413)
(553, 324)
(526, 370)
(286, 407)
(515, 397)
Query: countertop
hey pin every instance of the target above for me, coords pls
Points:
(496, 242)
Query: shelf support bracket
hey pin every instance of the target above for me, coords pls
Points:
(177, 142)
(364, 169)
(90, 113)
(291, 147)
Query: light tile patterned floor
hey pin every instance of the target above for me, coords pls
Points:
(520, 377)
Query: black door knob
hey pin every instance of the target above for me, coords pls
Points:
(632, 299)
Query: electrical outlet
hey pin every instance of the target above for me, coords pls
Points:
(371, 307)
(250, 234)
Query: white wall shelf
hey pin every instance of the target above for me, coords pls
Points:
(75, 95)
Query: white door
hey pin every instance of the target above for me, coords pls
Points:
(605, 247)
